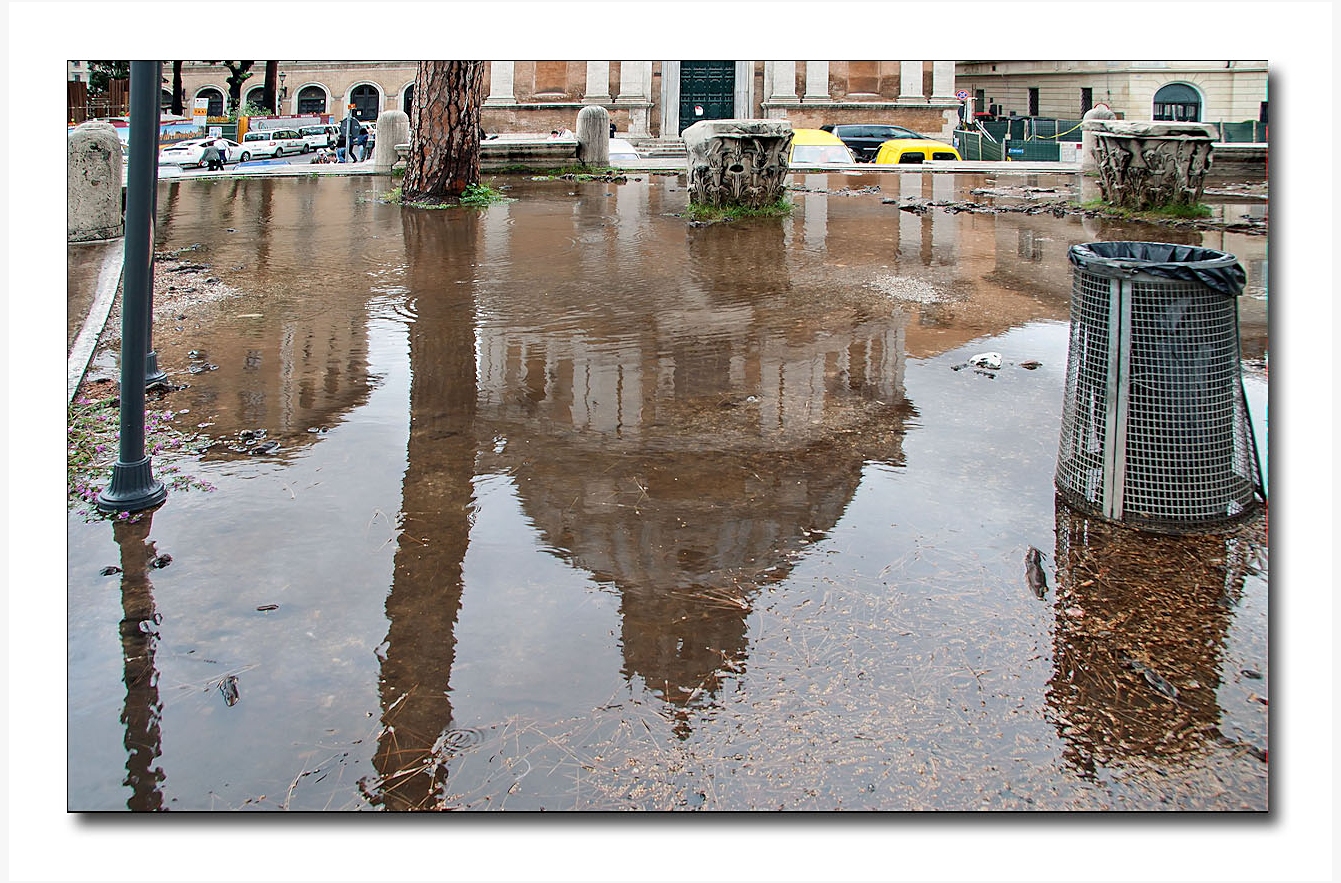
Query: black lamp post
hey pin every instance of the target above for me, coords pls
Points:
(133, 487)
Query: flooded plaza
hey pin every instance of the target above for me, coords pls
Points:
(567, 503)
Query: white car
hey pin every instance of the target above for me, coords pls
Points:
(621, 150)
(274, 142)
(319, 136)
(189, 153)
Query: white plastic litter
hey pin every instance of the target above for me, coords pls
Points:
(986, 360)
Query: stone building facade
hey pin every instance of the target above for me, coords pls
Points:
(1195, 91)
(646, 99)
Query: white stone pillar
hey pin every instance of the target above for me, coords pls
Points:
(635, 94)
(910, 83)
(782, 89)
(817, 82)
(744, 90)
(598, 83)
(500, 84)
(670, 99)
(943, 82)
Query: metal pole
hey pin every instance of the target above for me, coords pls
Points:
(133, 487)
(153, 375)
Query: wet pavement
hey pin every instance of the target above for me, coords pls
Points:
(573, 505)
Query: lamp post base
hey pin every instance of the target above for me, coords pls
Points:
(133, 488)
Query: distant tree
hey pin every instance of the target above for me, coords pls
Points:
(100, 73)
(178, 90)
(237, 75)
(270, 92)
(445, 131)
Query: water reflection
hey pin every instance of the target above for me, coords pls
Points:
(425, 598)
(142, 714)
(1141, 628)
(664, 427)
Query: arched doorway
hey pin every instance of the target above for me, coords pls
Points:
(312, 99)
(1178, 102)
(367, 101)
(216, 100)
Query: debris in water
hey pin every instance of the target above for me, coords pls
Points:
(228, 688)
(1033, 572)
(109, 570)
(1030, 364)
(267, 607)
(161, 561)
(986, 360)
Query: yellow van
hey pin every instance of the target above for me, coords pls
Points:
(919, 148)
(814, 147)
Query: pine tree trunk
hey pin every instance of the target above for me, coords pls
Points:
(444, 131)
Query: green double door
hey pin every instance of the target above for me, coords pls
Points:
(707, 91)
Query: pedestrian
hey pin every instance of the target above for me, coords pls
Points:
(361, 142)
(210, 157)
(350, 129)
(223, 151)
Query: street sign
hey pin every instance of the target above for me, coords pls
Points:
(962, 95)
(201, 109)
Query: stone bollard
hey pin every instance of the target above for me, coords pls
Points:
(593, 135)
(1149, 165)
(93, 183)
(1092, 121)
(737, 162)
(393, 127)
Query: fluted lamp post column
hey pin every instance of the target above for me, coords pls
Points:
(133, 487)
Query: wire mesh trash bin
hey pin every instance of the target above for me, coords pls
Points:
(1155, 425)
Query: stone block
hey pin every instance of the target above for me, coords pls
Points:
(93, 183)
(737, 162)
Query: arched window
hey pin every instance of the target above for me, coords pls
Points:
(407, 103)
(367, 101)
(1178, 102)
(216, 100)
(255, 96)
(164, 98)
(312, 99)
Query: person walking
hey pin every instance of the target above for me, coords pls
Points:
(350, 129)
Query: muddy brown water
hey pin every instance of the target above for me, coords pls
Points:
(578, 506)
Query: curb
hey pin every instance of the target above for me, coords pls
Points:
(109, 281)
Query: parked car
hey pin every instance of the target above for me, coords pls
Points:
(622, 151)
(189, 153)
(274, 142)
(319, 136)
(900, 151)
(864, 139)
(815, 147)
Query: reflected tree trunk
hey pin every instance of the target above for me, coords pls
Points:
(445, 136)
(417, 736)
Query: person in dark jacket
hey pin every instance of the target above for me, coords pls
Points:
(350, 130)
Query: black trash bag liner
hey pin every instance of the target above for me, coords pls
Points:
(1217, 270)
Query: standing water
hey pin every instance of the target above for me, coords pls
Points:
(567, 503)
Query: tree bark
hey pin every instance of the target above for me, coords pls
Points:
(444, 131)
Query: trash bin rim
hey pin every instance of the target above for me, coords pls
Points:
(1218, 270)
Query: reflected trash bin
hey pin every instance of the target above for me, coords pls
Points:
(1155, 425)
